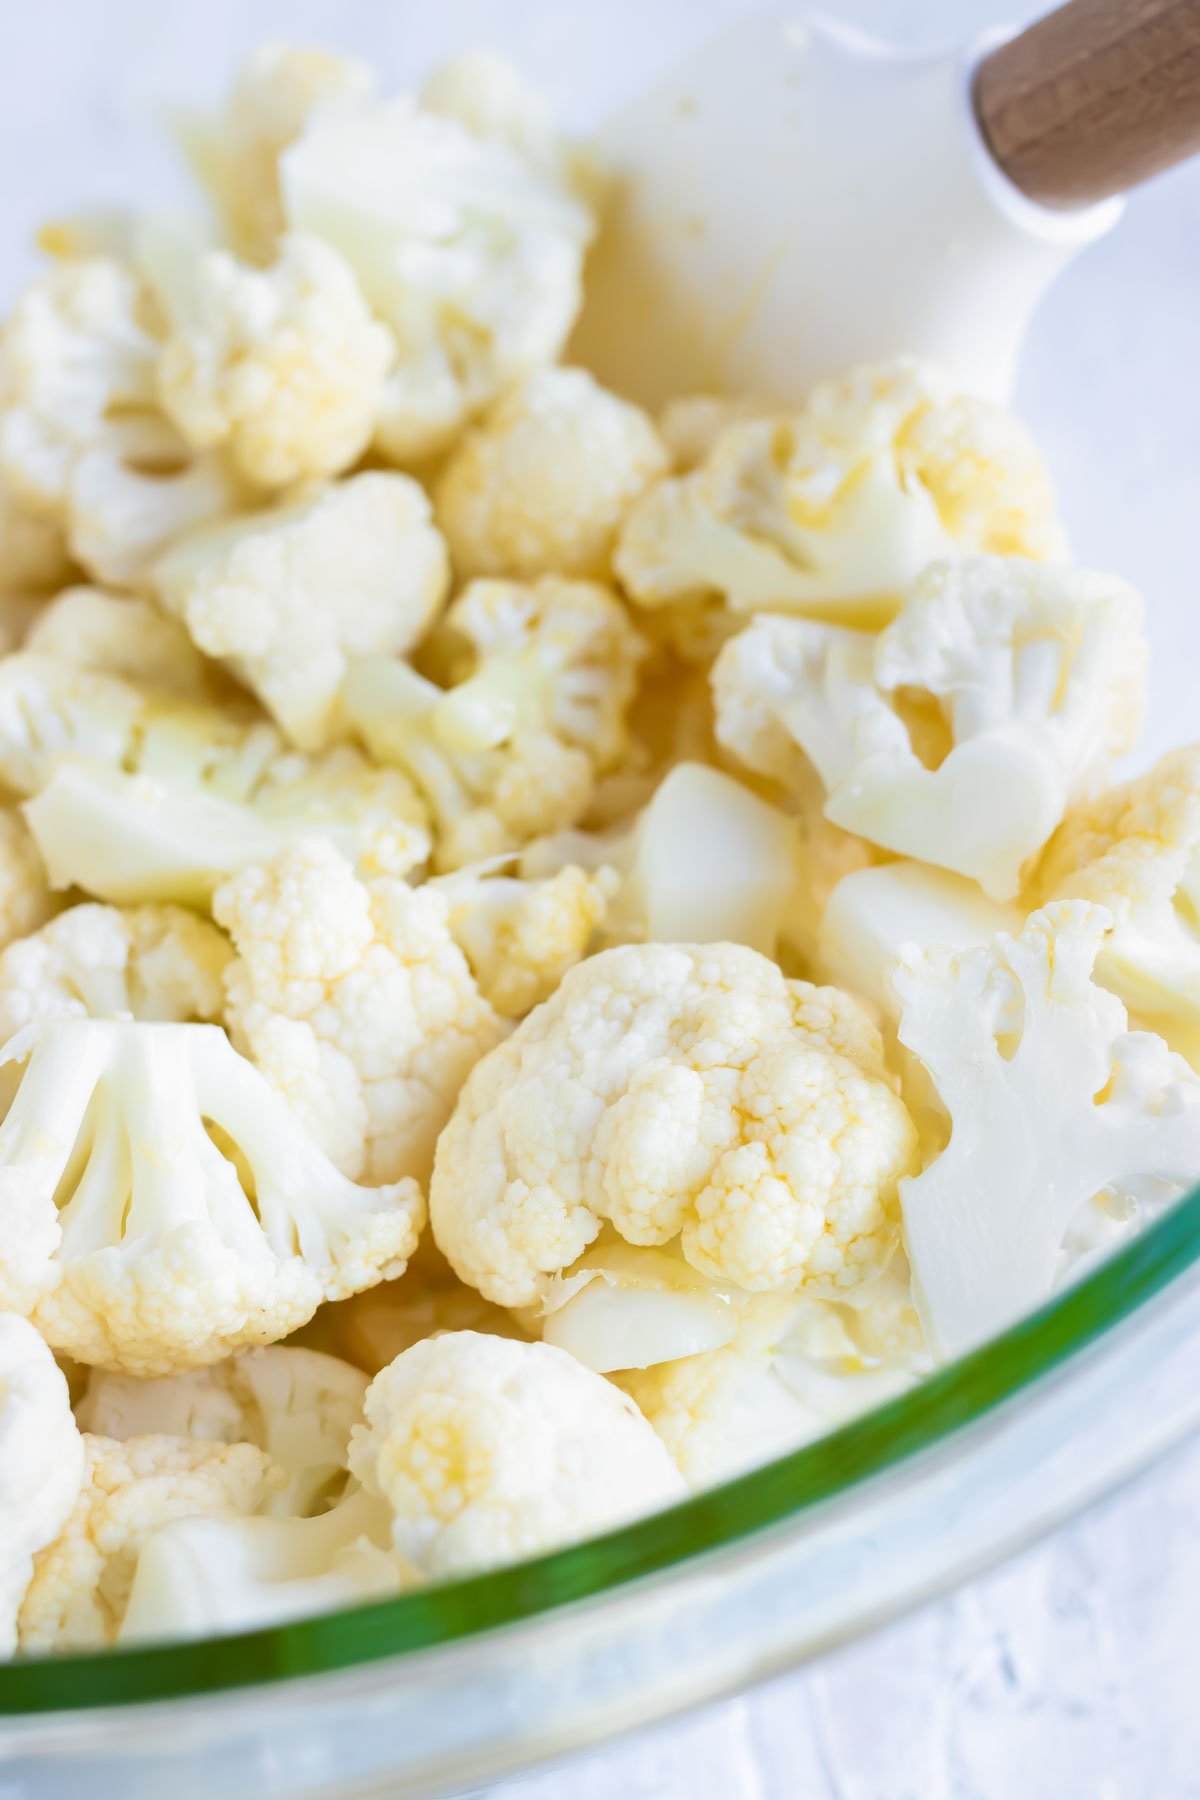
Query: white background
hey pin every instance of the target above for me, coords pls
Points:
(1074, 1674)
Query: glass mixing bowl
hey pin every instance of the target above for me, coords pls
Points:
(470, 1679)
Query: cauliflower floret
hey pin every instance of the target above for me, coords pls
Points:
(296, 1404)
(1136, 850)
(123, 635)
(41, 1462)
(542, 485)
(24, 889)
(82, 1581)
(373, 1328)
(797, 1369)
(285, 366)
(961, 734)
(690, 425)
(33, 554)
(162, 1206)
(355, 1002)
(537, 713)
(471, 253)
(520, 937)
(831, 513)
(236, 154)
(681, 1093)
(1059, 1116)
(291, 596)
(488, 1450)
(490, 97)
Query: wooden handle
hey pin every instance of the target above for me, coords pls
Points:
(1095, 98)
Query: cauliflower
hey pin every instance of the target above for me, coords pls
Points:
(469, 251)
(541, 486)
(1060, 1116)
(123, 635)
(520, 937)
(488, 1450)
(295, 1404)
(291, 596)
(41, 1462)
(490, 97)
(24, 891)
(833, 512)
(357, 1005)
(283, 365)
(164, 1207)
(33, 554)
(236, 154)
(536, 714)
(1136, 850)
(82, 1580)
(202, 1575)
(690, 425)
(797, 1369)
(678, 1092)
(374, 1327)
(961, 734)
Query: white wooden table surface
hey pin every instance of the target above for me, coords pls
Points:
(1074, 1673)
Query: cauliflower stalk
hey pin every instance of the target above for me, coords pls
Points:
(41, 1462)
(162, 1205)
(1062, 1119)
(833, 512)
(682, 1094)
(962, 733)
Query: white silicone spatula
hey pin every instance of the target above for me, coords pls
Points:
(795, 197)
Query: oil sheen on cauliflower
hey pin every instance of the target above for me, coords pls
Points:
(962, 732)
(541, 486)
(41, 1462)
(488, 1450)
(162, 1206)
(680, 1093)
(535, 715)
(354, 1000)
(290, 597)
(832, 512)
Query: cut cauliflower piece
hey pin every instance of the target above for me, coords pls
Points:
(681, 1093)
(831, 513)
(354, 1000)
(541, 486)
(83, 1579)
(471, 253)
(24, 889)
(520, 937)
(1135, 849)
(1062, 1121)
(536, 714)
(488, 1450)
(41, 1462)
(290, 596)
(296, 1404)
(236, 154)
(283, 365)
(123, 635)
(163, 1207)
(962, 733)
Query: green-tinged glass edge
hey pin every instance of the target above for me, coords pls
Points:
(783, 1491)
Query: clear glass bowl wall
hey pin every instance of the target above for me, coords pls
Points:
(468, 1680)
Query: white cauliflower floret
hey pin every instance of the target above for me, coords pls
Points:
(537, 713)
(355, 1002)
(1135, 849)
(162, 1206)
(489, 96)
(41, 1462)
(24, 889)
(520, 937)
(832, 512)
(296, 1404)
(82, 1581)
(1059, 1114)
(123, 635)
(680, 1093)
(541, 486)
(236, 153)
(690, 425)
(284, 365)
(961, 734)
(471, 253)
(33, 554)
(290, 596)
(488, 1450)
